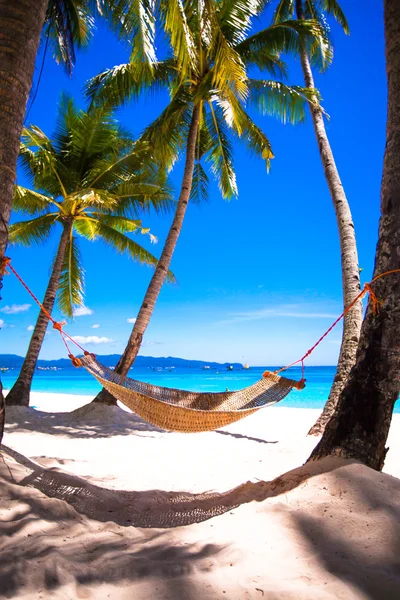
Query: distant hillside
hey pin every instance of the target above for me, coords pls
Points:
(12, 361)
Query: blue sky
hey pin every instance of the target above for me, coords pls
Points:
(259, 277)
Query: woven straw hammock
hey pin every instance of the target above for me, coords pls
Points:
(180, 410)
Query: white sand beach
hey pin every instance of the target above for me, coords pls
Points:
(100, 504)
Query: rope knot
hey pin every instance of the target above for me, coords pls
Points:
(372, 296)
(5, 261)
(59, 325)
(75, 360)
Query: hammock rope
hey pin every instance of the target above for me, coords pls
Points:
(186, 411)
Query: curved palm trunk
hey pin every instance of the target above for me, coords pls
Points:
(349, 258)
(156, 283)
(21, 23)
(19, 393)
(361, 424)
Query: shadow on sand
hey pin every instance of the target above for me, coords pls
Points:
(89, 421)
(95, 548)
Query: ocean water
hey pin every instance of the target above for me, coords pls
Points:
(78, 381)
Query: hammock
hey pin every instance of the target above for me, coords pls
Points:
(181, 410)
(184, 411)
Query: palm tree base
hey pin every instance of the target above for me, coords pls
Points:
(19, 394)
(105, 397)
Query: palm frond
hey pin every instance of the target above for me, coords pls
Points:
(90, 198)
(255, 138)
(40, 162)
(320, 48)
(94, 229)
(34, 231)
(167, 134)
(228, 70)
(199, 191)
(181, 37)
(287, 103)
(220, 155)
(236, 17)
(31, 202)
(134, 20)
(119, 223)
(332, 7)
(69, 24)
(284, 37)
(284, 11)
(123, 82)
(110, 169)
(71, 285)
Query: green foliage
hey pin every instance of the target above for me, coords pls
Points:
(69, 24)
(320, 48)
(92, 172)
(211, 53)
(71, 283)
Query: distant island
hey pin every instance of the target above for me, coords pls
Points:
(12, 361)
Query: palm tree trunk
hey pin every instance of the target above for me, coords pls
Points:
(21, 23)
(2, 413)
(349, 258)
(19, 393)
(361, 424)
(146, 310)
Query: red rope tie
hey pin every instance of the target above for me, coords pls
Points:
(376, 303)
(75, 360)
(59, 325)
(5, 262)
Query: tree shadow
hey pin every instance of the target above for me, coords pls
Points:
(365, 565)
(246, 437)
(116, 421)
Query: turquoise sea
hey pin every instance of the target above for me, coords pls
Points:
(78, 381)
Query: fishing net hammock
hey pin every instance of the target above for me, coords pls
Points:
(186, 411)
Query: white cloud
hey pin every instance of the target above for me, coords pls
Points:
(131, 320)
(30, 328)
(15, 308)
(92, 339)
(95, 326)
(152, 343)
(289, 311)
(82, 311)
(2, 324)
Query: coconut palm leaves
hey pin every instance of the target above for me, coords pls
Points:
(69, 24)
(208, 66)
(320, 50)
(92, 174)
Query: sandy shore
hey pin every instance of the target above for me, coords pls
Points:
(98, 504)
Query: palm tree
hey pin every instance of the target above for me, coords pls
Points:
(360, 426)
(316, 9)
(209, 88)
(92, 180)
(65, 24)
